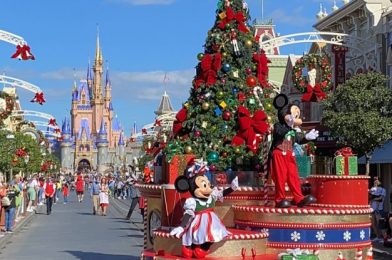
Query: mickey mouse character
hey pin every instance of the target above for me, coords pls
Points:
(283, 164)
(200, 226)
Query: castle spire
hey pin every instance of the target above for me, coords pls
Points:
(108, 82)
(98, 52)
(89, 74)
(121, 140)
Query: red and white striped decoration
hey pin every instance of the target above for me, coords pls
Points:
(369, 254)
(318, 246)
(309, 211)
(145, 223)
(238, 236)
(350, 177)
(358, 254)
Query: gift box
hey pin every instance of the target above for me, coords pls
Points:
(176, 167)
(303, 165)
(346, 165)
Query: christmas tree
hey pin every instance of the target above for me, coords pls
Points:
(226, 118)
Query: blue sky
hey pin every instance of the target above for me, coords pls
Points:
(141, 40)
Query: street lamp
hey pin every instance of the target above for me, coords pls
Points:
(10, 137)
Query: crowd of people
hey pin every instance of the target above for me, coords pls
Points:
(22, 196)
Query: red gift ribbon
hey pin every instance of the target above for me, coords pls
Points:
(208, 70)
(239, 17)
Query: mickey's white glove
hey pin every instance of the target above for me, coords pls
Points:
(289, 120)
(234, 184)
(312, 135)
(177, 232)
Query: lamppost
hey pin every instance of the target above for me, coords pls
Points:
(10, 137)
(26, 160)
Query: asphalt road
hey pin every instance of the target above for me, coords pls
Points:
(72, 232)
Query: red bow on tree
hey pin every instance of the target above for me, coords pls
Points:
(239, 17)
(251, 128)
(313, 94)
(39, 98)
(23, 53)
(157, 122)
(52, 122)
(262, 67)
(180, 118)
(208, 69)
(144, 131)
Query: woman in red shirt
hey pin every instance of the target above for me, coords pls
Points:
(79, 188)
(65, 193)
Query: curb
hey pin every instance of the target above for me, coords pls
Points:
(23, 222)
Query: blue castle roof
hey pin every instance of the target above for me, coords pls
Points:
(121, 140)
(116, 125)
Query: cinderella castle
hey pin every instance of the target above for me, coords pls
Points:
(93, 138)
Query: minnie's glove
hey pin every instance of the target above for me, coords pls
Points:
(234, 184)
(289, 120)
(177, 232)
(312, 135)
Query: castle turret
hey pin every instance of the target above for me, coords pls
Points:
(108, 91)
(121, 149)
(165, 106)
(102, 146)
(66, 146)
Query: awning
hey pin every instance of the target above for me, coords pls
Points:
(380, 155)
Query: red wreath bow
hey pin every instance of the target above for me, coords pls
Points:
(239, 17)
(208, 69)
(52, 122)
(23, 53)
(157, 122)
(57, 130)
(144, 131)
(39, 98)
(262, 67)
(251, 128)
(180, 118)
(313, 94)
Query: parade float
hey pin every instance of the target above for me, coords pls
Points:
(227, 128)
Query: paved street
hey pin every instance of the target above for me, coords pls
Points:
(72, 232)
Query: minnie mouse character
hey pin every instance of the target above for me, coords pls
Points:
(283, 164)
(200, 226)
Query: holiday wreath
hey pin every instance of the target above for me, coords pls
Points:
(302, 76)
(9, 106)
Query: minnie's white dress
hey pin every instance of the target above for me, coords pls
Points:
(205, 225)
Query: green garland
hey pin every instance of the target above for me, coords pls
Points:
(20, 126)
(321, 62)
(9, 107)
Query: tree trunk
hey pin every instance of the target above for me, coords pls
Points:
(368, 157)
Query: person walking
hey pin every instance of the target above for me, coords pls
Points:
(104, 196)
(9, 205)
(80, 187)
(65, 192)
(135, 196)
(377, 197)
(95, 190)
(32, 188)
(50, 190)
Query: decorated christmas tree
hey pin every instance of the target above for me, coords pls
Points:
(227, 118)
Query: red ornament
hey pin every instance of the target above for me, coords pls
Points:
(212, 167)
(248, 71)
(223, 81)
(241, 96)
(197, 133)
(251, 81)
(226, 115)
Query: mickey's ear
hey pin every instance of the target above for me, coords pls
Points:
(280, 101)
(182, 184)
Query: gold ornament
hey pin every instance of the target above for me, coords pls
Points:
(219, 94)
(186, 105)
(205, 106)
(237, 150)
(204, 124)
(269, 118)
(269, 106)
(222, 15)
(235, 73)
(249, 43)
(224, 54)
(188, 149)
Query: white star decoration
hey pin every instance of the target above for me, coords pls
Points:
(347, 236)
(295, 236)
(362, 234)
(320, 235)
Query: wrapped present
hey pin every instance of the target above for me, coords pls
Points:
(346, 162)
(303, 165)
(176, 167)
(298, 254)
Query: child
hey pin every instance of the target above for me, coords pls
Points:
(65, 193)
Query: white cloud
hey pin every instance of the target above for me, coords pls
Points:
(63, 74)
(143, 2)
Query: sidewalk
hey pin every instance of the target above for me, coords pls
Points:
(380, 248)
(19, 224)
